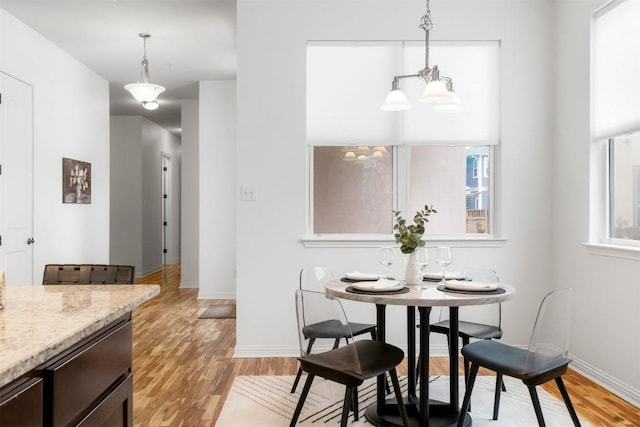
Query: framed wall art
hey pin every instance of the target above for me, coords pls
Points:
(76, 181)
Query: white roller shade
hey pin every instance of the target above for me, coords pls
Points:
(474, 69)
(348, 81)
(616, 69)
(345, 85)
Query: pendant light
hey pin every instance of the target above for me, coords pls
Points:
(143, 91)
(438, 90)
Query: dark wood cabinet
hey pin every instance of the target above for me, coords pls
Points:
(21, 403)
(88, 384)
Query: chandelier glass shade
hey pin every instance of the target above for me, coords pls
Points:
(439, 88)
(143, 91)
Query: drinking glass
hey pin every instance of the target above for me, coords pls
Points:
(385, 258)
(443, 258)
(421, 260)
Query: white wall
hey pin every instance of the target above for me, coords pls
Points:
(190, 204)
(136, 204)
(126, 192)
(71, 119)
(271, 153)
(218, 190)
(606, 315)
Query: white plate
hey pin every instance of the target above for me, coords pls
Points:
(382, 285)
(356, 275)
(463, 285)
(447, 274)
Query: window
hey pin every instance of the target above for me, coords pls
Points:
(353, 190)
(365, 163)
(616, 118)
(624, 188)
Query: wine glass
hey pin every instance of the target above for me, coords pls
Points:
(421, 260)
(443, 258)
(385, 258)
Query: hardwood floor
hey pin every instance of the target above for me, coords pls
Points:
(183, 366)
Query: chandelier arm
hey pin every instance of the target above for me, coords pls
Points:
(395, 84)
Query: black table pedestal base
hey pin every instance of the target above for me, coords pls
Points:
(440, 415)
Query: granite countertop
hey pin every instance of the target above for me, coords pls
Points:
(38, 322)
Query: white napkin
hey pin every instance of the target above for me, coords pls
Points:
(379, 285)
(464, 285)
(448, 275)
(356, 275)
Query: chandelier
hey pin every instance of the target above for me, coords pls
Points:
(439, 88)
(143, 91)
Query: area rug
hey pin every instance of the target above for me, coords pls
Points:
(266, 401)
(220, 311)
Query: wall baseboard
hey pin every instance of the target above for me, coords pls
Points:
(216, 295)
(614, 385)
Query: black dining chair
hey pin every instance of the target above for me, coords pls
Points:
(349, 365)
(482, 322)
(544, 360)
(314, 279)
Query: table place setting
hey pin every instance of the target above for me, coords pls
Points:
(357, 276)
(370, 283)
(469, 286)
(448, 275)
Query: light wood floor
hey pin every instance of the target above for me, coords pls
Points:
(183, 366)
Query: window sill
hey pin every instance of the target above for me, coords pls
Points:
(377, 241)
(615, 251)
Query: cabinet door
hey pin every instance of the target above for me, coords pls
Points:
(115, 410)
(22, 405)
(80, 380)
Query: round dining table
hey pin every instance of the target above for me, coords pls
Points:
(421, 410)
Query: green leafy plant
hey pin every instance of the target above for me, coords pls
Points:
(410, 236)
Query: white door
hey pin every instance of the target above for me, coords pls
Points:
(16, 181)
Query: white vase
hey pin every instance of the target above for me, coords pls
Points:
(412, 275)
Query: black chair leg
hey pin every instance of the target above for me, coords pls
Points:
(467, 394)
(396, 388)
(536, 405)
(354, 405)
(496, 398)
(303, 397)
(567, 401)
(299, 373)
(465, 362)
(345, 406)
(296, 381)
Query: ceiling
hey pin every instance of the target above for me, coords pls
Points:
(191, 40)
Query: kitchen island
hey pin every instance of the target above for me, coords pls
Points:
(66, 352)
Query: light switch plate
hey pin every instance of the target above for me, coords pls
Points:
(248, 193)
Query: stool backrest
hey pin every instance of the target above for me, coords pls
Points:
(85, 274)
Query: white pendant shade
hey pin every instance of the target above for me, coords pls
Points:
(144, 92)
(452, 105)
(395, 101)
(152, 105)
(436, 91)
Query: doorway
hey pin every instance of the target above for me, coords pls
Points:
(16, 180)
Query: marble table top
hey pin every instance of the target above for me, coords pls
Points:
(426, 295)
(38, 322)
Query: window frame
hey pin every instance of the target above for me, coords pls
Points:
(600, 241)
(401, 201)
